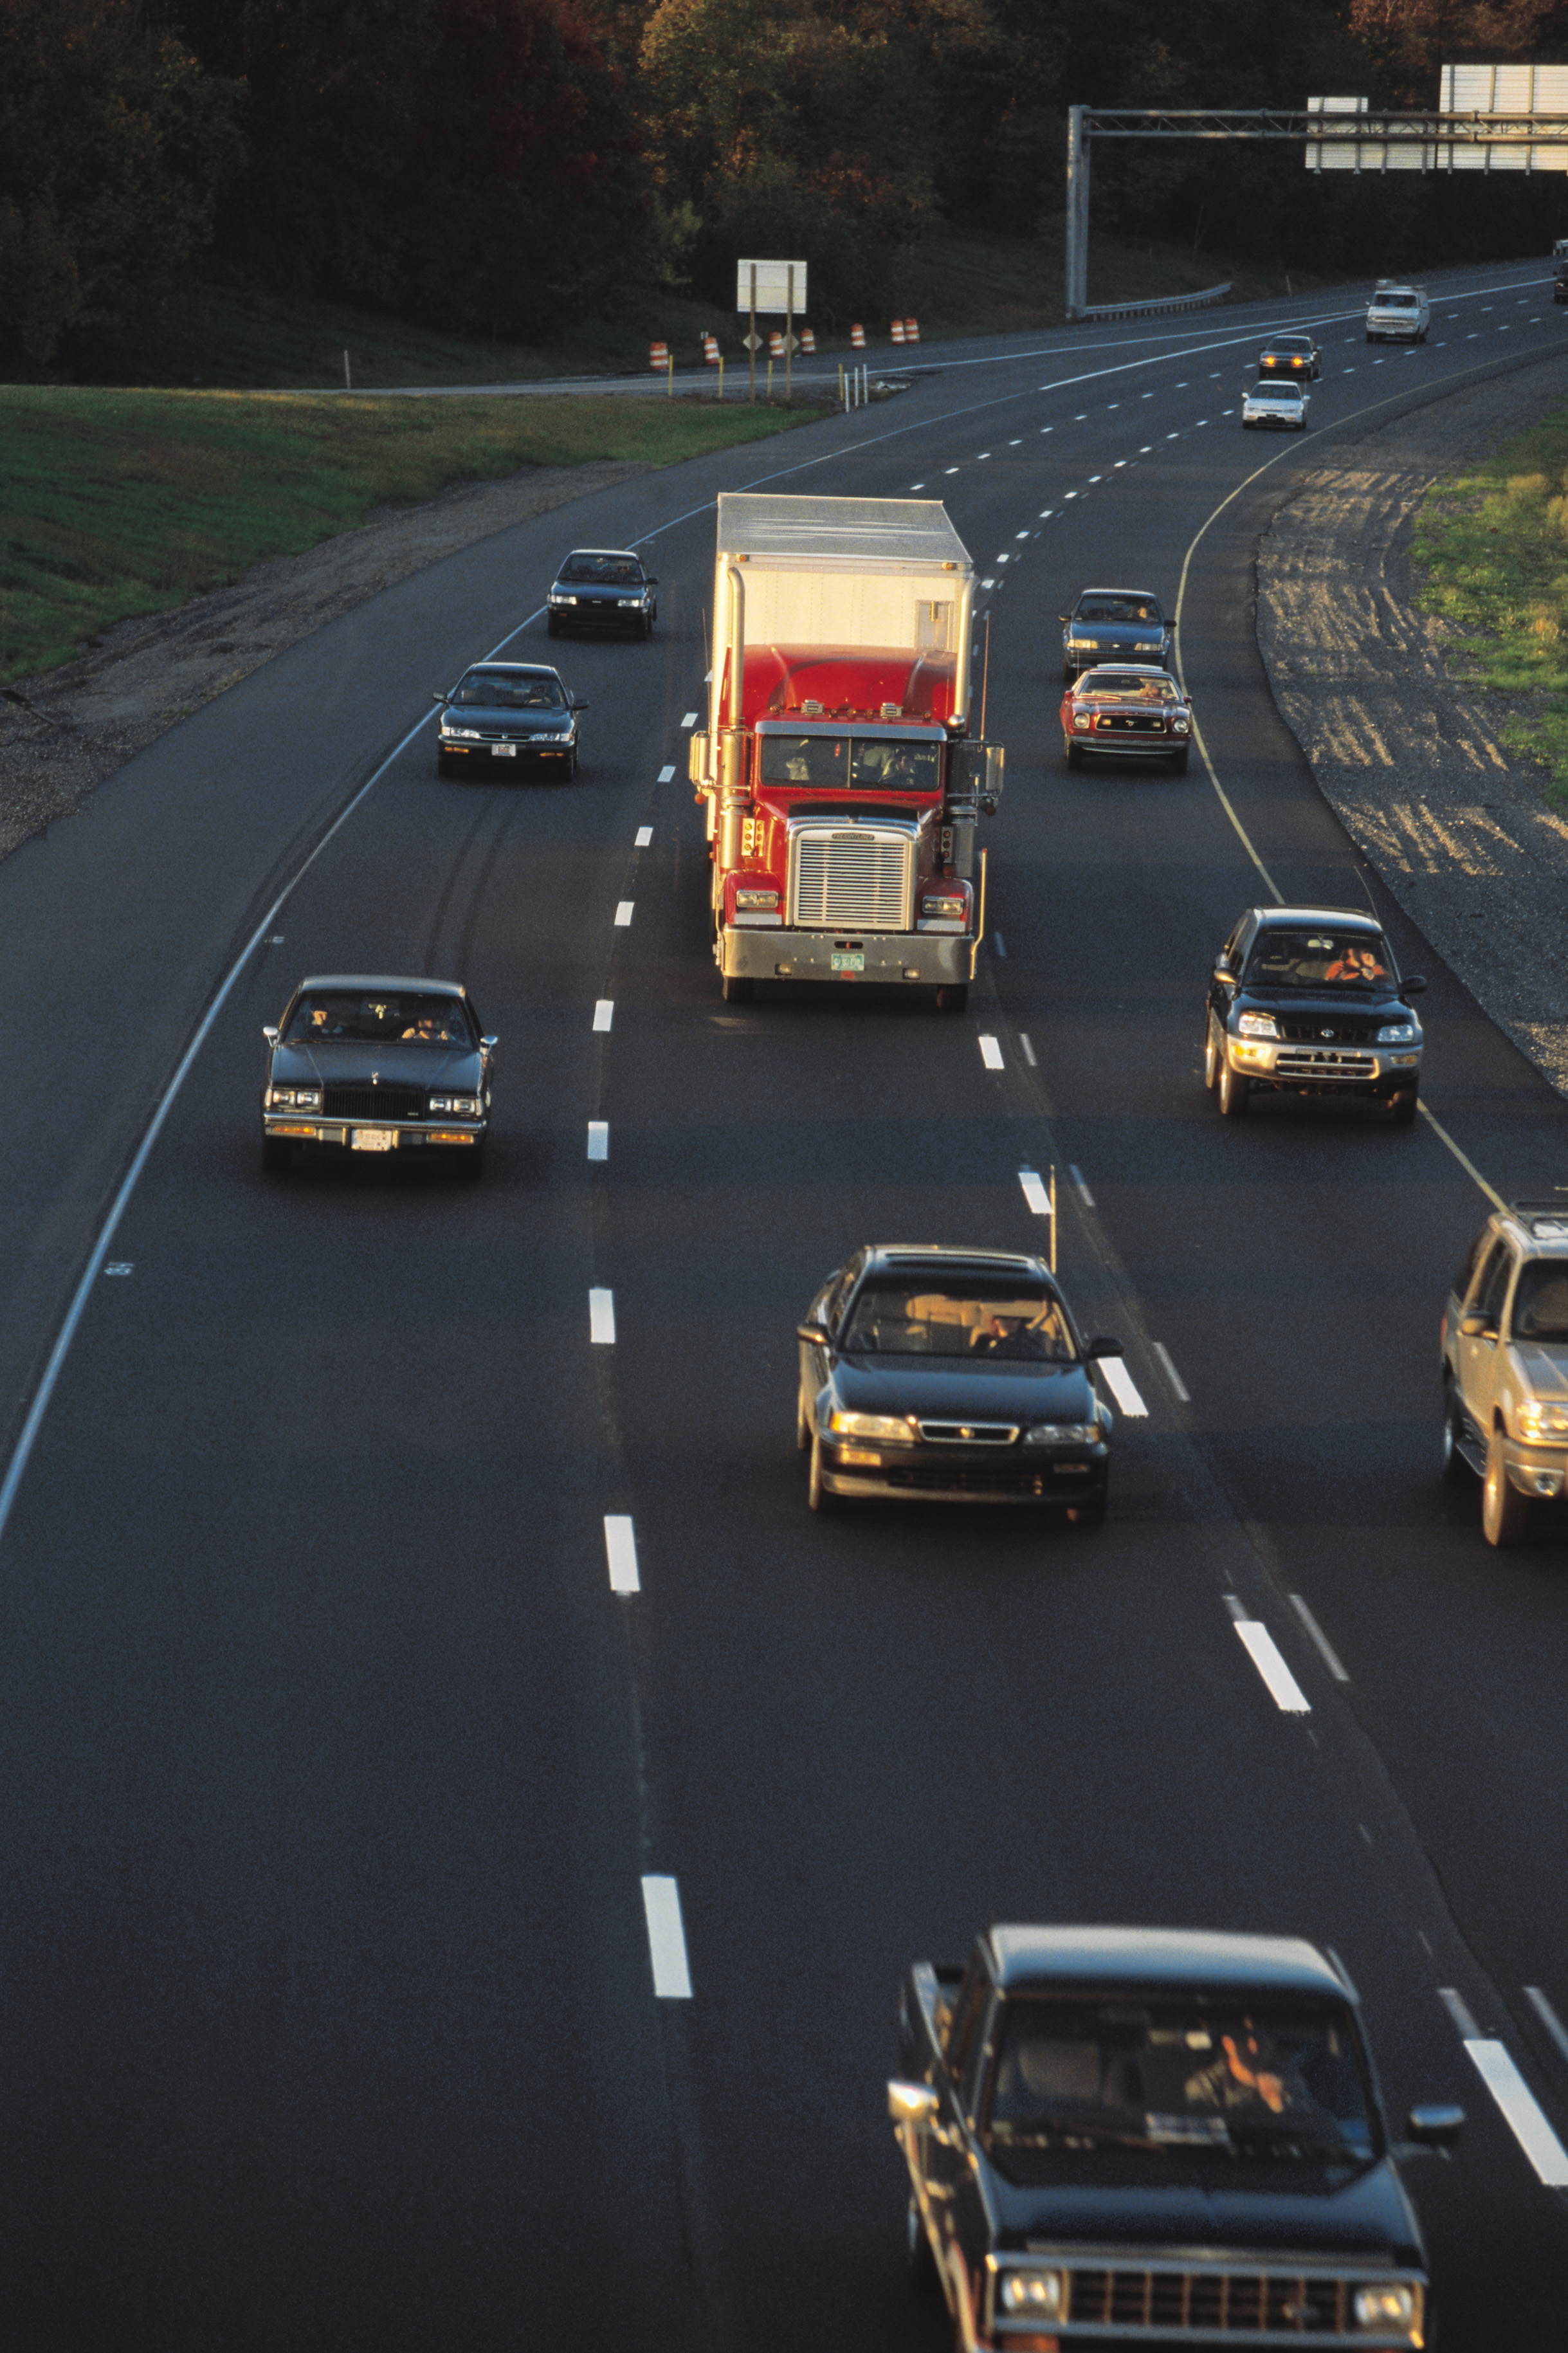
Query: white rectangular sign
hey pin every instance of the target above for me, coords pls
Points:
(772, 286)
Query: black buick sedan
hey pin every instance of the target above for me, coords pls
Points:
(1116, 625)
(603, 588)
(510, 711)
(951, 1376)
(376, 1063)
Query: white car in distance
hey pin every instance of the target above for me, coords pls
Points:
(1277, 403)
(1397, 314)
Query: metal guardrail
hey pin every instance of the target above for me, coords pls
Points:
(1150, 309)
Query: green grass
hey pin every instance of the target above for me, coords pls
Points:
(1491, 548)
(115, 503)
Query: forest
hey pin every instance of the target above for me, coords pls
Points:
(493, 167)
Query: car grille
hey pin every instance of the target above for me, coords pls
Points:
(1129, 722)
(1325, 1033)
(858, 878)
(1325, 1063)
(373, 1103)
(971, 1479)
(969, 1433)
(1250, 2303)
(511, 735)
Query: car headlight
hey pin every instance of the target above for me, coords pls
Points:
(1183, 726)
(942, 906)
(1150, 645)
(468, 734)
(558, 597)
(457, 1106)
(764, 898)
(1082, 718)
(885, 1425)
(1384, 2307)
(1397, 1033)
(633, 600)
(1259, 1025)
(1062, 1433)
(294, 1098)
(1541, 1418)
(1084, 645)
(1034, 2292)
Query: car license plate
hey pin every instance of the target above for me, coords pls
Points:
(847, 959)
(373, 1139)
(503, 751)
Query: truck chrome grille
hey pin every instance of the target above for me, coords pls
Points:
(1257, 2307)
(851, 878)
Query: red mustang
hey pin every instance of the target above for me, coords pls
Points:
(1130, 711)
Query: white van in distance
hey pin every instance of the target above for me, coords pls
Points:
(1397, 314)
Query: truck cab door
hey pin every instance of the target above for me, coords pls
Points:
(1478, 1354)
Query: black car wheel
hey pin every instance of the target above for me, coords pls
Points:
(1074, 752)
(1404, 1106)
(1179, 761)
(920, 2263)
(472, 1164)
(803, 1423)
(446, 767)
(276, 1156)
(572, 765)
(1232, 1096)
(1068, 673)
(552, 626)
(820, 1497)
(1505, 1513)
(1211, 1058)
(647, 630)
(953, 997)
(1456, 1470)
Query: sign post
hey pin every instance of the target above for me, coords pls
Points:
(753, 337)
(765, 285)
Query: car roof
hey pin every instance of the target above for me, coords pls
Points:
(944, 1258)
(1541, 1225)
(518, 670)
(1120, 592)
(629, 552)
(1199, 1960)
(1277, 343)
(1274, 385)
(381, 980)
(1356, 918)
(1396, 286)
(1122, 668)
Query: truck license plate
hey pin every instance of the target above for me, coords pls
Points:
(373, 1139)
(847, 959)
(503, 751)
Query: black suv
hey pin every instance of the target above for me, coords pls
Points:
(603, 588)
(1307, 1001)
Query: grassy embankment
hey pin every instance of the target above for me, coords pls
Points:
(1491, 549)
(116, 503)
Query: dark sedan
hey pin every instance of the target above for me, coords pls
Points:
(603, 588)
(951, 1376)
(376, 1063)
(1115, 624)
(1290, 355)
(512, 712)
(1308, 1001)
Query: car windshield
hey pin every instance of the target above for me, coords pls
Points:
(1541, 1302)
(882, 763)
(1181, 2074)
(405, 1017)
(977, 1322)
(1127, 686)
(1289, 343)
(605, 571)
(1315, 958)
(1269, 390)
(502, 690)
(1118, 609)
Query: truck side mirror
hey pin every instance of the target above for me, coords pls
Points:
(815, 1336)
(1472, 1327)
(912, 2103)
(1435, 2128)
(1223, 976)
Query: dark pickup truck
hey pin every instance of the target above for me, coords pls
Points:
(1153, 2137)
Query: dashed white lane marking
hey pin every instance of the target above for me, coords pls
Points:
(917, 486)
(120, 1266)
(621, 1552)
(602, 1318)
(1521, 2111)
(1034, 1192)
(991, 1053)
(1123, 1388)
(1028, 1049)
(1046, 513)
(1082, 417)
(665, 1938)
(1097, 478)
(689, 720)
(950, 469)
(598, 1139)
(644, 832)
(1260, 1648)
(1326, 1649)
(666, 774)
(1173, 437)
(1084, 1195)
(1048, 428)
(624, 911)
(1014, 445)
(1001, 559)
(604, 1012)
(988, 583)
(1168, 1368)
(1020, 534)
(1534, 1995)
(1145, 450)
(1454, 2002)
(1120, 463)
(1001, 945)
(983, 455)
(707, 678)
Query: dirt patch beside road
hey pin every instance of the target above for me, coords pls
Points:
(77, 724)
(1404, 747)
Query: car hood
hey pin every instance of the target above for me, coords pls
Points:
(344, 1064)
(593, 592)
(1113, 634)
(1329, 1005)
(939, 1392)
(1544, 1370)
(1320, 2210)
(516, 723)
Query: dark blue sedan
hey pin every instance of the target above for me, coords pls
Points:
(604, 588)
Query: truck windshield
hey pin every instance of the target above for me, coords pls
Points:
(877, 762)
(1181, 2074)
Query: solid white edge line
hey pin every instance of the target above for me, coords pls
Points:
(1455, 2004)
(1329, 1654)
(1028, 1049)
(1261, 1647)
(1084, 1195)
(665, 1938)
(603, 1013)
(991, 1053)
(1548, 2016)
(621, 1552)
(602, 1319)
(1124, 1387)
(623, 912)
(1169, 1369)
(598, 1139)
(1521, 2111)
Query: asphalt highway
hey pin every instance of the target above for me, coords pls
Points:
(464, 1818)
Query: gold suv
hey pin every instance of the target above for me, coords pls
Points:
(1505, 1365)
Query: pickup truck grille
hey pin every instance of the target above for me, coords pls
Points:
(851, 878)
(1267, 2305)
(373, 1103)
(1325, 1033)
(1326, 1062)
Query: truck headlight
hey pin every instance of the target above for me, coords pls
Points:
(942, 906)
(1384, 2307)
(757, 899)
(1062, 1433)
(1257, 1025)
(1034, 2292)
(1539, 1417)
(1397, 1033)
(885, 1425)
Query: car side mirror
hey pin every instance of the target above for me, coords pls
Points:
(1224, 975)
(436, 696)
(650, 580)
(1413, 986)
(912, 2103)
(579, 706)
(489, 1044)
(815, 1336)
(268, 1032)
(1435, 2128)
(1105, 1347)
(1471, 1327)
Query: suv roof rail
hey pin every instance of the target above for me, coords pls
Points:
(1559, 1205)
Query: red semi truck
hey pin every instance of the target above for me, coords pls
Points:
(842, 781)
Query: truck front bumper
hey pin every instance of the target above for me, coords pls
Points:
(928, 959)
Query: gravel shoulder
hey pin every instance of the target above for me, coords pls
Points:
(75, 726)
(1404, 747)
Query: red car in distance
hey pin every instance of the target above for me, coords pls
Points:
(1126, 711)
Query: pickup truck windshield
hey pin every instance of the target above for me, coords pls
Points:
(1319, 959)
(977, 1323)
(1179, 2075)
(879, 763)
